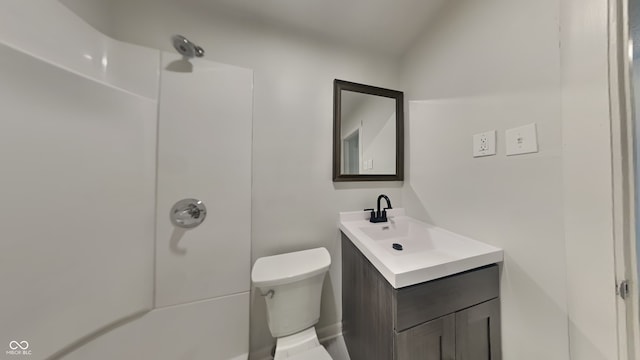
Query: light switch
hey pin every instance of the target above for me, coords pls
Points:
(484, 144)
(521, 140)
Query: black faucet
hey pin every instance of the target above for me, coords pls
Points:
(380, 216)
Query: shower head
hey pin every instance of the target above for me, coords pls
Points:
(186, 47)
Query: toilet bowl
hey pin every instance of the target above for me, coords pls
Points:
(291, 284)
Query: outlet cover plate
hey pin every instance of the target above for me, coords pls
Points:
(484, 144)
(521, 140)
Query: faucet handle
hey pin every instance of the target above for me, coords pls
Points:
(188, 213)
(373, 213)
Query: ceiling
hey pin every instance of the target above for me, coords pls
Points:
(387, 26)
(382, 26)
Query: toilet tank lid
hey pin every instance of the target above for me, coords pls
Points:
(290, 267)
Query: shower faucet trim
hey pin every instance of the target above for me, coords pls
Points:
(186, 48)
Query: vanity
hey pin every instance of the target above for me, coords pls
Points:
(411, 290)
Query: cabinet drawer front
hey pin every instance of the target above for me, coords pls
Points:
(427, 301)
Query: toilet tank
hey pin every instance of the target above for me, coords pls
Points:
(292, 287)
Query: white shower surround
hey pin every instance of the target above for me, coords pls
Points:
(78, 148)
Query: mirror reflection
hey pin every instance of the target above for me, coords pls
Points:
(368, 133)
(368, 137)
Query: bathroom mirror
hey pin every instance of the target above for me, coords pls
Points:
(368, 137)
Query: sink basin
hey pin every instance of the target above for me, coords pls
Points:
(407, 251)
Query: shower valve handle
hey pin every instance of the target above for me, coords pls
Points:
(188, 213)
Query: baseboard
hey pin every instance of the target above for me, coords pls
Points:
(325, 334)
(329, 332)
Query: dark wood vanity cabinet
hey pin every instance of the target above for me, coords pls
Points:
(452, 318)
(478, 332)
(433, 340)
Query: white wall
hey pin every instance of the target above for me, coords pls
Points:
(78, 160)
(97, 13)
(295, 204)
(379, 147)
(204, 152)
(201, 275)
(49, 31)
(69, 193)
(483, 66)
(587, 172)
(79, 144)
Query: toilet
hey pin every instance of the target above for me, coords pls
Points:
(291, 285)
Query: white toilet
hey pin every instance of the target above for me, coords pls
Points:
(292, 285)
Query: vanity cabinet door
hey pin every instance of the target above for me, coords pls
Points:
(478, 332)
(367, 305)
(433, 340)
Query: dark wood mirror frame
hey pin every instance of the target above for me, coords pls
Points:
(338, 87)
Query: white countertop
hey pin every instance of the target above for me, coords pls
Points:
(429, 252)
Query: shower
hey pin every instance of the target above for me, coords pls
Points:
(186, 47)
(188, 50)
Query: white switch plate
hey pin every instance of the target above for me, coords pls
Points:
(484, 144)
(521, 140)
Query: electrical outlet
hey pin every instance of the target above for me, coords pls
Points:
(521, 140)
(484, 144)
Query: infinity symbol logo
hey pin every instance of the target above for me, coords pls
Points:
(23, 345)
